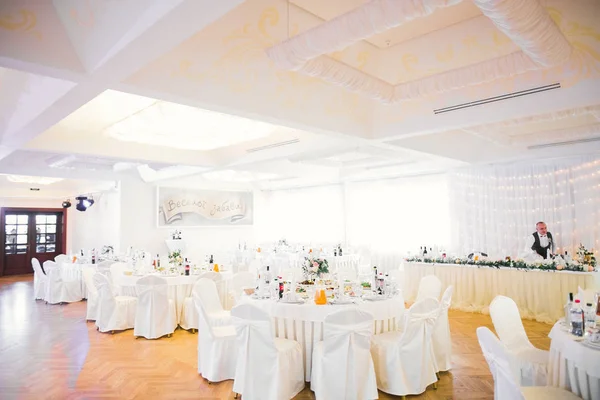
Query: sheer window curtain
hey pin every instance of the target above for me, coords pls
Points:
(494, 209)
(307, 216)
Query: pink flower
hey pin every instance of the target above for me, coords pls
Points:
(559, 267)
(315, 264)
(590, 268)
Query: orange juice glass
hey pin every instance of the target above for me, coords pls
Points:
(320, 297)
(216, 267)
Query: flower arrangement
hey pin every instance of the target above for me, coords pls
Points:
(314, 267)
(586, 258)
(175, 258)
(557, 264)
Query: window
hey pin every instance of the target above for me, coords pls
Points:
(16, 226)
(45, 233)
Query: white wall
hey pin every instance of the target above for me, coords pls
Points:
(99, 225)
(139, 226)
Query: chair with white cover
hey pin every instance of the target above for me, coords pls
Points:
(505, 384)
(342, 366)
(59, 288)
(268, 368)
(40, 280)
(93, 303)
(116, 271)
(429, 286)
(442, 341)
(237, 284)
(114, 313)
(206, 289)
(62, 258)
(155, 314)
(531, 362)
(217, 348)
(585, 296)
(404, 360)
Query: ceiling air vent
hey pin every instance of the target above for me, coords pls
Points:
(494, 99)
(566, 143)
(272, 146)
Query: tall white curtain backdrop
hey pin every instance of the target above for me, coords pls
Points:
(382, 220)
(494, 209)
(307, 216)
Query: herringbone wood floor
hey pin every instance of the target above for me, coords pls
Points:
(50, 352)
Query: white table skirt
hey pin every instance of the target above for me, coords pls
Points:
(304, 323)
(573, 366)
(540, 295)
(179, 288)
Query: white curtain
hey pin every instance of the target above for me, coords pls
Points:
(307, 216)
(495, 209)
(399, 215)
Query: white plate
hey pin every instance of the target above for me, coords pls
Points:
(592, 345)
(375, 298)
(340, 302)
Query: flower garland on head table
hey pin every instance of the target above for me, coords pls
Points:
(314, 267)
(585, 262)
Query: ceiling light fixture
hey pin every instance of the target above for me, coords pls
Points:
(183, 127)
(38, 180)
(83, 203)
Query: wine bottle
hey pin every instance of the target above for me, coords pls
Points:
(340, 251)
(335, 252)
(211, 261)
(187, 267)
(157, 261)
(424, 251)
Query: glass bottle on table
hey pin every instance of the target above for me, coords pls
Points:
(590, 316)
(577, 319)
(568, 307)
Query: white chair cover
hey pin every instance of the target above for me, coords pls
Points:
(238, 282)
(404, 361)
(585, 296)
(342, 367)
(62, 258)
(442, 341)
(40, 280)
(87, 273)
(114, 313)
(525, 357)
(206, 289)
(430, 286)
(505, 384)
(155, 315)
(116, 271)
(268, 368)
(59, 290)
(217, 348)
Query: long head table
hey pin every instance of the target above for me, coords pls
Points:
(540, 295)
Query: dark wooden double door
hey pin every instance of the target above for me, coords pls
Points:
(29, 233)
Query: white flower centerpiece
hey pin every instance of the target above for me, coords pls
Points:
(175, 261)
(313, 269)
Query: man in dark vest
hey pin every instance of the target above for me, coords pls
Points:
(540, 242)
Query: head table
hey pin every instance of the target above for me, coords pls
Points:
(540, 295)
(304, 322)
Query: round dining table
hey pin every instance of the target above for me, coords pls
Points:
(574, 364)
(304, 322)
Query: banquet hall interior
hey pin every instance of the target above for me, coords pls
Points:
(307, 199)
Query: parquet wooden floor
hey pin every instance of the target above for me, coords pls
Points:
(50, 352)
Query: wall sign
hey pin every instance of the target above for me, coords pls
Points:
(183, 207)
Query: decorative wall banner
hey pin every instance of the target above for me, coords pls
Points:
(183, 207)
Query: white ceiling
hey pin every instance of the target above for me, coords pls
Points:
(98, 91)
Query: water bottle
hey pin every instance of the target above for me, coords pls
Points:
(568, 307)
(577, 319)
(590, 316)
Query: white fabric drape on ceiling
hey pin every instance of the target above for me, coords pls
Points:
(494, 209)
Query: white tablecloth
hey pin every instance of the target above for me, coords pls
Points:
(540, 295)
(304, 323)
(573, 366)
